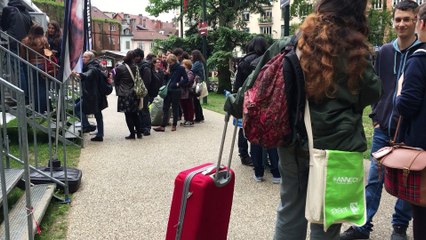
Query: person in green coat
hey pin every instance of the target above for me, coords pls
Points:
(339, 83)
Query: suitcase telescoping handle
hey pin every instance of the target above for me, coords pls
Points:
(223, 177)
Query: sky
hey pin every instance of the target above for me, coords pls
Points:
(128, 6)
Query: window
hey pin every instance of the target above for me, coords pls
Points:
(377, 4)
(246, 16)
(113, 27)
(266, 17)
(127, 44)
(282, 31)
(266, 30)
(140, 45)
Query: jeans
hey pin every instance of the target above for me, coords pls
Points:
(291, 223)
(242, 144)
(373, 190)
(258, 160)
(145, 116)
(40, 86)
(173, 99)
(85, 122)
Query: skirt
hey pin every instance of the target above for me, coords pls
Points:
(128, 103)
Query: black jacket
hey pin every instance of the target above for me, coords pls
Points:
(123, 81)
(245, 67)
(94, 101)
(16, 20)
(177, 75)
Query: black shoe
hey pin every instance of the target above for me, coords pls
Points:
(399, 232)
(246, 160)
(351, 234)
(146, 133)
(131, 136)
(97, 139)
(89, 129)
(139, 135)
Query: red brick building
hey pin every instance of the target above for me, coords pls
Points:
(105, 31)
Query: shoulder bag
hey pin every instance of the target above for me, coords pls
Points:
(405, 173)
(336, 192)
(140, 90)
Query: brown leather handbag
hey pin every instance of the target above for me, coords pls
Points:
(405, 173)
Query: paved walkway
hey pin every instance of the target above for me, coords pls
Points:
(127, 185)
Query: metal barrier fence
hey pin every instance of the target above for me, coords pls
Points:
(48, 103)
(6, 154)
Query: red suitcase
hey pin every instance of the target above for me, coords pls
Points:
(204, 212)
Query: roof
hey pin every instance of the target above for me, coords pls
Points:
(96, 13)
(147, 35)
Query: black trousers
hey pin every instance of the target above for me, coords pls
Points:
(133, 123)
(198, 110)
(145, 116)
(172, 99)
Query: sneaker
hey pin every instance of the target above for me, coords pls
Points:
(276, 180)
(352, 233)
(139, 135)
(188, 124)
(246, 160)
(146, 133)
(399, 233)
(173, 128)
(97, 139)
(258, 179)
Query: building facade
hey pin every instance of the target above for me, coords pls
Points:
(105, 32)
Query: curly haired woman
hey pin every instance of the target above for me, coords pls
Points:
(339, 83)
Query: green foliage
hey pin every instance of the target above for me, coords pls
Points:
(301, 8)
(379, 21)
(55, 10)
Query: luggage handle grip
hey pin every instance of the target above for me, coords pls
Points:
(218, 178)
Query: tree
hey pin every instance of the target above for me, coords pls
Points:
(301, 8)
(222, 17)
(379, 21)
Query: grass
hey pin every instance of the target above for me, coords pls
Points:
(215, 103)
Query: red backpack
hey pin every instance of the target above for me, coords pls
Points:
(265, 111)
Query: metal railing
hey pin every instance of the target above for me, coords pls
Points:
(6, 154)
(48, 103)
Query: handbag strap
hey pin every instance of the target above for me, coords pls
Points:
(308, 126)
(396, 130)
(130, 71)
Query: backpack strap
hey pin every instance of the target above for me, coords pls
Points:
(299, 89)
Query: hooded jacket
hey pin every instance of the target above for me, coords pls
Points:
(411, 104)
(16, 20)
(389, 65)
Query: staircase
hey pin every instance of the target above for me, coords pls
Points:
(18, 155)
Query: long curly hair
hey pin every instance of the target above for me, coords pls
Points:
(334, 39)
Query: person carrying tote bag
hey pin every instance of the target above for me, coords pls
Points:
(339, 83)
(411, 105)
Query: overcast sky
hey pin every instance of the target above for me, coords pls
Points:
(127, 6)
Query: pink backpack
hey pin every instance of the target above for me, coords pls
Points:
(265, 110)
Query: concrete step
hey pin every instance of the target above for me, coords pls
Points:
(12, 178)
(40, 199)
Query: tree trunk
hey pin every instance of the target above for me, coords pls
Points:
(224, 78)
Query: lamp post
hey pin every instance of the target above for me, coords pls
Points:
(285, 4)
(204, 40)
